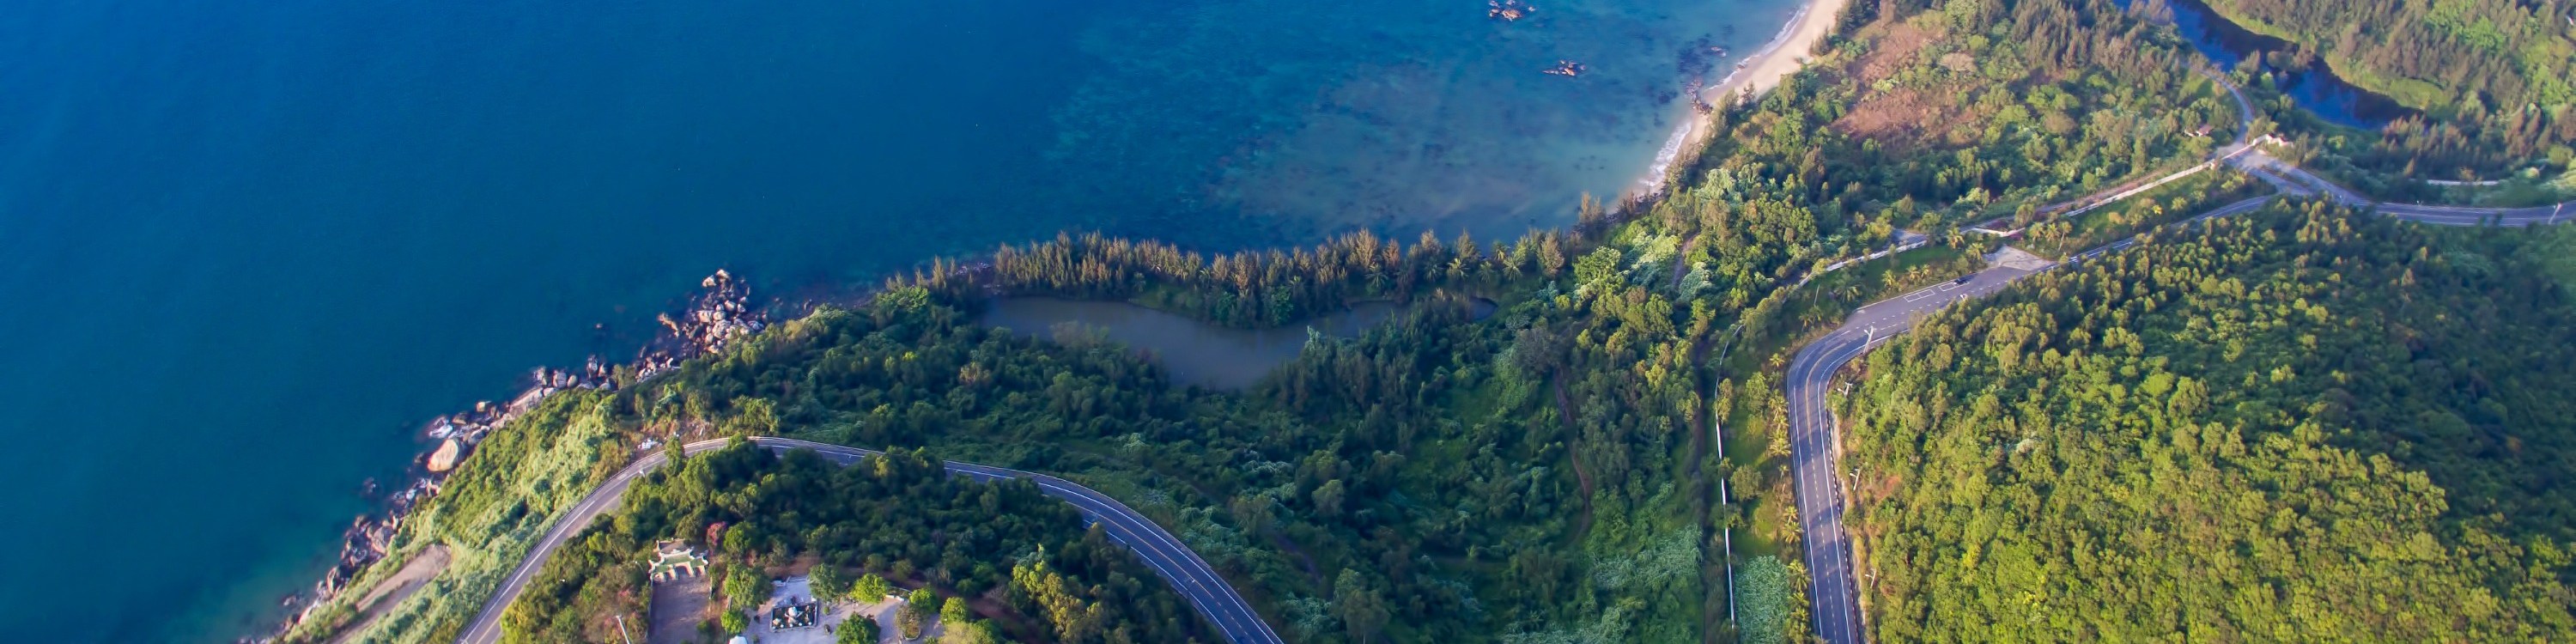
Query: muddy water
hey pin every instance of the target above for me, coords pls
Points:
(1196, 353)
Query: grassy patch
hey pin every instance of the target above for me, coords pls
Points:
(1767, 592)
(492, 512)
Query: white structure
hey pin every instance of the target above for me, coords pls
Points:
(674, 559)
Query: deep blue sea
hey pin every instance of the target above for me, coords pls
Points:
(248, 248)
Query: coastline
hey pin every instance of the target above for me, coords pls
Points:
(712, 319)
(1758, 72)
(721, 312)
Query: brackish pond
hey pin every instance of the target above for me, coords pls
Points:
(1195, 352)
(2316, 89)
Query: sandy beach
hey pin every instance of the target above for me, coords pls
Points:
(1755, 73)
(1784, 54)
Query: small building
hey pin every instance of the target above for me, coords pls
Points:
(674, 559)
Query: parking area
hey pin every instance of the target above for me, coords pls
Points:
(798, 591)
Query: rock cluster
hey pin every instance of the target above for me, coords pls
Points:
(716, 316)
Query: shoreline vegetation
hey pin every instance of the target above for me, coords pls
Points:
(1756, 73)
(1444, 476)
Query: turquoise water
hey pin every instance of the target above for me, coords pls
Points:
(247, 248)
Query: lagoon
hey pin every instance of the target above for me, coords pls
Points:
(1195, 353)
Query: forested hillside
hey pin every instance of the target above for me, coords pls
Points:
(2302, 425)
(1978, 108)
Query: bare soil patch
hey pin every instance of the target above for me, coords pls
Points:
(1895, 51)
(394, 589)
(678, 606)
(1902, 117)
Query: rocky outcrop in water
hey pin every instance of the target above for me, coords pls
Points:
(715, 317)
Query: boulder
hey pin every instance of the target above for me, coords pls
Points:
(444, 458)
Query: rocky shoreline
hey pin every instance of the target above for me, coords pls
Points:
(719, 314)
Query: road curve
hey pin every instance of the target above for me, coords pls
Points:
(2291, 178)
(1813, 456)
(1189, 575)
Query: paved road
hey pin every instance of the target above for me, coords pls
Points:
(1189, 575)
(2292, 179)
(1813, 443)
(1814, 461)
(1812, 453)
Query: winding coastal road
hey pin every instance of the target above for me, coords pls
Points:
(1813, 450)
(1189, 575)
(1815, 445)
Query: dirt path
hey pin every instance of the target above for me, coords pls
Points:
(1698, 424)
(394, 590)
(1682, 261)
(1565, 410)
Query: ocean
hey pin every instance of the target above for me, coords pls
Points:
(248, 248)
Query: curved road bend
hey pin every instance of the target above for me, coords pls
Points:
(2292, 179)
(1812, 452)
(1189, 575)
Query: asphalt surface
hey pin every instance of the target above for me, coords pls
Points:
(2292, 179)
(1189, 575)
(1813, 456)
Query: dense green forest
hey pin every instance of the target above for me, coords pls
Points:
(1016, 554)
(2304, 424)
